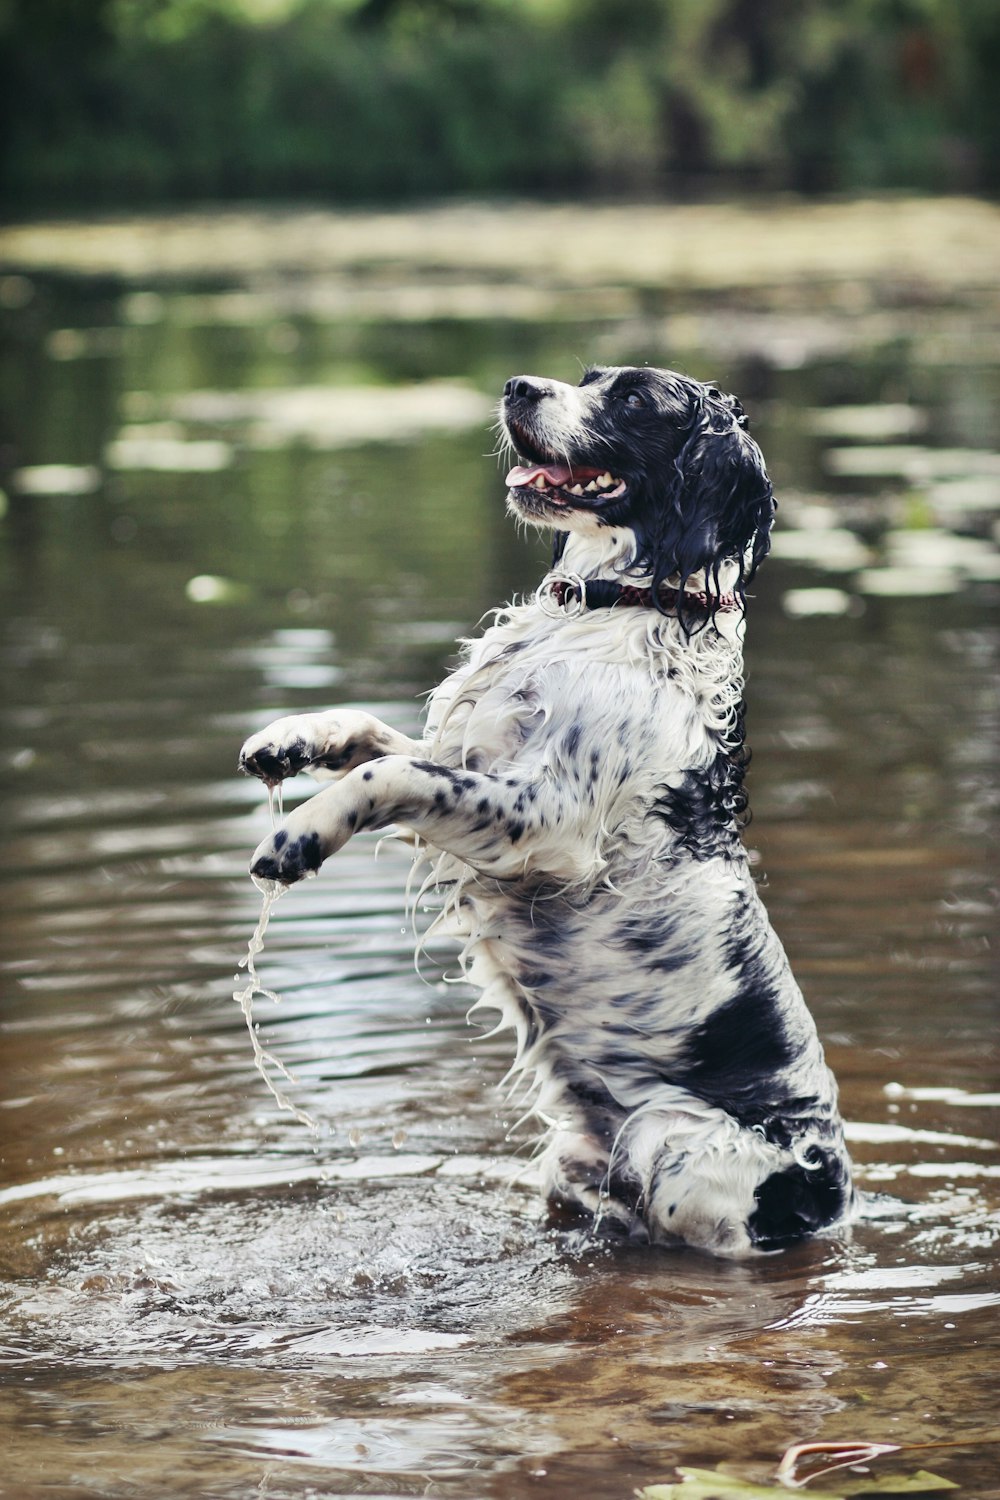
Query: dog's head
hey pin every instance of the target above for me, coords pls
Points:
(649, 450)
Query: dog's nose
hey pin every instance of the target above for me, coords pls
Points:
(526, 388)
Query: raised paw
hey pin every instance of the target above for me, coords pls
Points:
(275, 753)
(287, 859)
(327, 745)
(309, 835)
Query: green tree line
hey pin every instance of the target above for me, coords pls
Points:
(120, 102)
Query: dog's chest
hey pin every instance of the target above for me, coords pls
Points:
(531, 692)
(478, 716)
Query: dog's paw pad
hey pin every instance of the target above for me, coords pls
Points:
(271, 762)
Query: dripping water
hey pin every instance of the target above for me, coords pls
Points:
(265, 1061)
(276, 802)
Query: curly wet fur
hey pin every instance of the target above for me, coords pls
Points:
(577, 798)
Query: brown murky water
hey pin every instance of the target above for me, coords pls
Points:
(199, 1297)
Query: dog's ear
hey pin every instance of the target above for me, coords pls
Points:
(721, 504)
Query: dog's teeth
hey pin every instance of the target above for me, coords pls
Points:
(592, 487)
(540, 483)
(605, 481)
(577, 489)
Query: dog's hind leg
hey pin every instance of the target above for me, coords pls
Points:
(327, 745)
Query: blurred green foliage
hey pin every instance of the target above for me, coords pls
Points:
(115, 102)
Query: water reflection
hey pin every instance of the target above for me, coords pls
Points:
(385, 1308)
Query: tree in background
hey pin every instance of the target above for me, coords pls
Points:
(109, 102)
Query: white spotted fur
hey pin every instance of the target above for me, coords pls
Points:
(569, 728)
(649, 699)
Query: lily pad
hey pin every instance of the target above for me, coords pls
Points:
(56, 479)
(328, 417)
(208, 588)
(869, 423)
(908, 582)
(799, 604)
(833, 548)
(166, 451)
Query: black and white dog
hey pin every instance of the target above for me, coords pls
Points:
(578, 796)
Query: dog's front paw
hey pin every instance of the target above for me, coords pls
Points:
(328, 745)
(308, 836)
(281, 750)
(286, 858)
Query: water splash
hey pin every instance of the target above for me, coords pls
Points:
(265, 1061)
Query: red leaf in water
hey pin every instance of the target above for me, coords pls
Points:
(804, 1456)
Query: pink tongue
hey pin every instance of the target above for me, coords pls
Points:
(556, 475)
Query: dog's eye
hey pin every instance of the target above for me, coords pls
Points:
(634, 400)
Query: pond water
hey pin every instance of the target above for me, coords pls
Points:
(207, 524)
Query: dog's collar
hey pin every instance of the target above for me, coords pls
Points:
(562, 594)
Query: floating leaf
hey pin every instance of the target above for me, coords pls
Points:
(710, 1484)
(920, 1483)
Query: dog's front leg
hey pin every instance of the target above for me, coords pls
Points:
(501, 826)
(325, 744)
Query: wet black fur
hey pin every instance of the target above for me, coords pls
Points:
(799, 1201)
(698, 489)
(710, 808)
